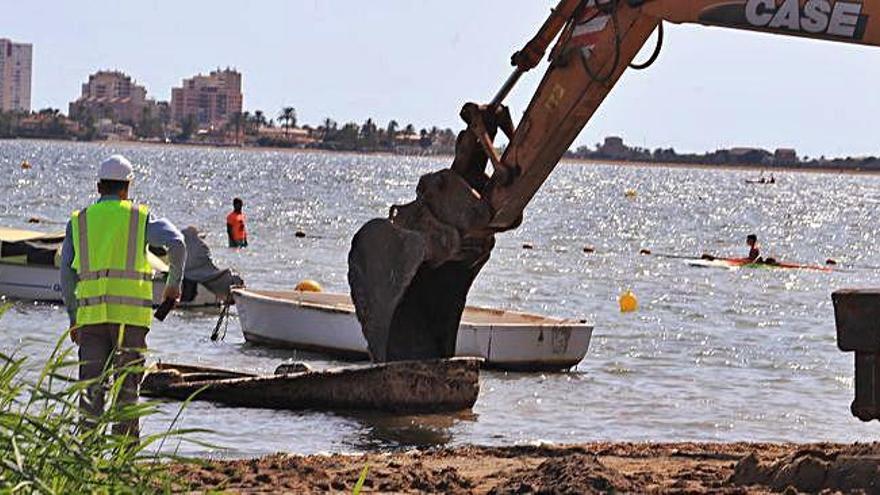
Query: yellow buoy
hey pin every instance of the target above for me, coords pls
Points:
(25, 164)
(628, 302)
(630, 193)
(308, 285)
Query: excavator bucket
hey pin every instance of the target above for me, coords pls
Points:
(410, 273)
(408, 309)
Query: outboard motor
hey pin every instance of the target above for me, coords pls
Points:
(200, 269)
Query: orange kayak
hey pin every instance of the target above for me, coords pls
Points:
(734, 263)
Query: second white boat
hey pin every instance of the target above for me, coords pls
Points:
(29, 270)
(326, 323)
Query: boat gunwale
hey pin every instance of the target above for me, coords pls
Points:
(28, 265)
(527, 320)
(158, 276)
(460, 362)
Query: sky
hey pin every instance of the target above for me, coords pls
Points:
(419, 61)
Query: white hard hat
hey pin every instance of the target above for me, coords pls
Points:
(117, 167)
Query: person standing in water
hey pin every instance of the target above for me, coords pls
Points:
(235, 228)
(754, 248)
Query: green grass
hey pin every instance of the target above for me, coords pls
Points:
(361, 479)
(45, 449)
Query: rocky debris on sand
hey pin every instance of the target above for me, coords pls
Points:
(599, 467)
(318, 474)
(815, 469)
(572, 474)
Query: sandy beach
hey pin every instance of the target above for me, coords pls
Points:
(587, 468)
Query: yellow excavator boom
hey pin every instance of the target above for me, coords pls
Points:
(410, 273)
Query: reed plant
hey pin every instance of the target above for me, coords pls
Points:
(45, 448)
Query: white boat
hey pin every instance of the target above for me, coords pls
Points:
(29, 271)
(325, 322)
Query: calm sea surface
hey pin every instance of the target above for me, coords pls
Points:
(711, 355)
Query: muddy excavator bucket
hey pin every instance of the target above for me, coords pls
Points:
(411, 272)
(407, 308)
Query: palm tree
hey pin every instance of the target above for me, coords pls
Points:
(329, 129)
(188, 127)
(410, 129)
(246, 120)
(288, 116)
(391, 131)
(236, 121)
(259, 120)
(348, 136)
(368, 134)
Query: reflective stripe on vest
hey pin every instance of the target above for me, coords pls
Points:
(115, 278)
(121, 274)
(129, 301)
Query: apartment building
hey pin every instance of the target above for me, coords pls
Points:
(208, 99)
(111, 95)
(15, 75)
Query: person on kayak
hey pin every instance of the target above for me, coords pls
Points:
(754, 249)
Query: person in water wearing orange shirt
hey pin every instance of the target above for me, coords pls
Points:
(235, 228)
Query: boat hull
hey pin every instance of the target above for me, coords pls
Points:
(43, 284)
(31, 283)
(442, 385)
(326, 323)
(736, 263)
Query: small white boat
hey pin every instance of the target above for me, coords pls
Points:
(326, 323)
(29, 271)
(43, 284)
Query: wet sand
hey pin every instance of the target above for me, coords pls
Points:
(582, 469)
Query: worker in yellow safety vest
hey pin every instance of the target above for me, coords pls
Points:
(107, 284)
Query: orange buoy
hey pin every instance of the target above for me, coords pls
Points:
(308, 285)
(628, 302)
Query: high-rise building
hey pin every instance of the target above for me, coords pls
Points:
(210, 100)
(15, 76)
(112, 95)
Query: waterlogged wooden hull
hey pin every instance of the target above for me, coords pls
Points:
(405, 386)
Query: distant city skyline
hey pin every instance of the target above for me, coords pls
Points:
(711, 88)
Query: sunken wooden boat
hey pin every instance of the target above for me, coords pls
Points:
(440, 385)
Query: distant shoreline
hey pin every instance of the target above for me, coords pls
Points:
(769, 170)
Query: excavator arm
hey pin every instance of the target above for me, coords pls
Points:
(410, 273)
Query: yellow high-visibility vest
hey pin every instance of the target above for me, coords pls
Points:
(110, 256)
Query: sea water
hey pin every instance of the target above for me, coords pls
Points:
(711, 355)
